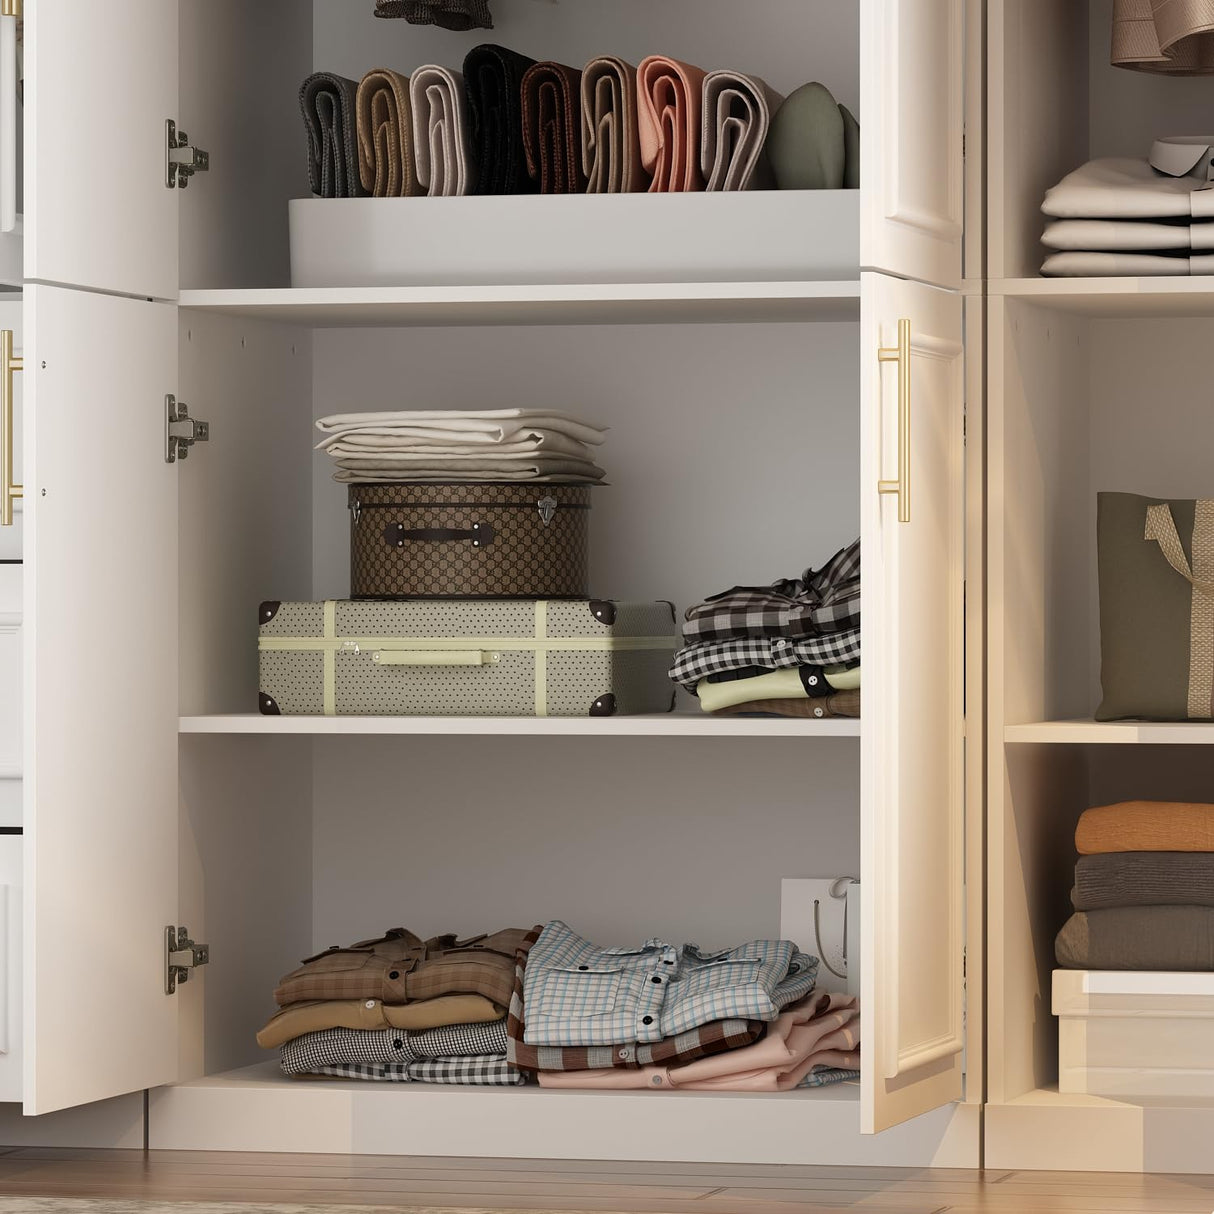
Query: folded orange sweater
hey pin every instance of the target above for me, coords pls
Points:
(1146, 826)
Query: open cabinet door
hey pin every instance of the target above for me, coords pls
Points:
(912, 798)
(912, 143)
(100, 81)
(100, 649)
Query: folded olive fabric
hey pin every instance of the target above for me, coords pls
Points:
(1132, 826)
(456, 15)
(1138, 938)
(809, 141)
(328, 103)
(611, 144)
(552, 127)
(670, 101)
(841, 704)
(1151, 878)
(1170, 37)
(313, 1017)
(493, 78)
(387, 166)
(442, 132)
(737, 118)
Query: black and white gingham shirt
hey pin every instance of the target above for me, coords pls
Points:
(822, 601)
(477, 1070)
(314, 1052)
(697, 662)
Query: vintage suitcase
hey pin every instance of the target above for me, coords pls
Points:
(497, 658)
(469, 541)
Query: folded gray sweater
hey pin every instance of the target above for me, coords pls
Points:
(1136, 878)
(1138, 938)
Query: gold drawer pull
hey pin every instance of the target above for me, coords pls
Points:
(9, 492)
(901, 354)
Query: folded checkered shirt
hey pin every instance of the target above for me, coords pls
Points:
(826, 600)
(479, 1070)
(697, 662)
(341, 1047)
(579, 994)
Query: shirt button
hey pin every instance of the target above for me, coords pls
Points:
(583, 967)
(655, 978)
(371, 1003)
(656, 1081)
(646, 1019)
(394, 974)
(623, 1053)
(818, 712)
(667, 962)
(812, 680)
(398, 1044)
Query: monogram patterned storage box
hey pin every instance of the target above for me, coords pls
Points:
(590, 657)
(469, 541)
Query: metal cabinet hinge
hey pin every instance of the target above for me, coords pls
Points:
(181, 159)
(181, 955)
(181, 431)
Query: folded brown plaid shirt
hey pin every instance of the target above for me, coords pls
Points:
(826, 600)
(400, 967)
(714, 1038)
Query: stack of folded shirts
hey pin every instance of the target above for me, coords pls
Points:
(479, 445)
(1144, 889)
(400, 1009)
(663, 1017)
(789, 649)
(1123, 217)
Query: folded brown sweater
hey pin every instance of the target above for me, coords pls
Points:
(1144, 878)
(1146, 826)
(1138, 938)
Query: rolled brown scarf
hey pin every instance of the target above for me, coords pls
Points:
(1168, 37)
(387, 166)
(552, 127)
(447, 14)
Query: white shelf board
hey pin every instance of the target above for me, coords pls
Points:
(1084, 732)
(257, 1108)
(1114, 297)
(670, 724)
(558, 304)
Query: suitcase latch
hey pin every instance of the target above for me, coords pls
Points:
(547, 508)
(181, 955)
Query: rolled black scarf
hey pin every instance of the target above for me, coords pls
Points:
(448, 14)
(493, 77)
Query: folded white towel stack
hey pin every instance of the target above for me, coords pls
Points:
(468, 445)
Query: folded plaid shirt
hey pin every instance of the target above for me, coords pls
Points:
(580, 994)
(700, 661)
(826, 600)
(479, 1070)
(377, 1047)
(702, 1042)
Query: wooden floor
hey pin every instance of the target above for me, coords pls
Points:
(402, 1182)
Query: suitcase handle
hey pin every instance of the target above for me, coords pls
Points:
(481, 535)
(441, 657)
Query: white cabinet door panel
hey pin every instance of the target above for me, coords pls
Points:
(912, 146)
(912, 796)
(101, 635)
(100, 80)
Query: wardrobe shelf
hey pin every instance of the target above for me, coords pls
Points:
(1114, 297)
(660, 725)
(257, 1108)
(1085, 732)
(552, 304)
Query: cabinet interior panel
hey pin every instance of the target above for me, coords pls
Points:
(624, 839)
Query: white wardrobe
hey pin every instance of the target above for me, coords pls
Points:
(753, 425)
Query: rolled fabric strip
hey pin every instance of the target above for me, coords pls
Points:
(670, 100)
(442, 132)
(328, 102)
(552, 127)
(611, 145)
(737, 118)
(493, 80)
(387, 167)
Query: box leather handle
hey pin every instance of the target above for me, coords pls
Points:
(428, 657)
(480, 534)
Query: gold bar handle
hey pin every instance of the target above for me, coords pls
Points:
(901, 354)
(9, 491)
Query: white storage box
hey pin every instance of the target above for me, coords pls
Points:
(1135, 1034)
(776, 235)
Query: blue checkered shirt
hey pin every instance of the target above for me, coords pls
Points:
(578, 994)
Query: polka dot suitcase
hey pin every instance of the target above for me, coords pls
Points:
(469, 541)
(503, 657)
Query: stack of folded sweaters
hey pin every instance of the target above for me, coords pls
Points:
(400, 1009)
(662, 1018)
(489, 445)
(789, 649)
(1144, 889)
(509, 125)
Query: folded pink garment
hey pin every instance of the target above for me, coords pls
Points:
(821, 1030)
(670, 99)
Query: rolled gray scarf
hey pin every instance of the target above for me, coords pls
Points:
(448, 14)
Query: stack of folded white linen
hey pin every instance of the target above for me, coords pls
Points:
(462, 445)
(1131, 217)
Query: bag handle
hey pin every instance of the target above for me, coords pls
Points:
(1161, 527)
(481, 535)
